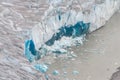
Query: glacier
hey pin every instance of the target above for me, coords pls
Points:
(27, 25)
(63, 29)
(59, 30)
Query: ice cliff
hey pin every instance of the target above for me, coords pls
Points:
(66, 25)
(60, 29)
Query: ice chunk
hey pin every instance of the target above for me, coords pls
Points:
(55, 72)
(75, 72)
(46, 77)
(30, 52)
(41, 67)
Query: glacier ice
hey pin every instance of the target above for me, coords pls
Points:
(30, 52)
(57, 28)
(56, 32)
(18, 16)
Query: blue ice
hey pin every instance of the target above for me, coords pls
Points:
(30, 52)
(41, 67)
(55, 72)
(76, 30)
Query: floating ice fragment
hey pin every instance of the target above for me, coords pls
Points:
(55, 72)
(41, 67)
(65, 73)
(28, 69)
(75, 72)
(46, 77)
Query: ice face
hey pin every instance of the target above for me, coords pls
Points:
(76, 30)
(59, 31)
(68, 28)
